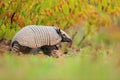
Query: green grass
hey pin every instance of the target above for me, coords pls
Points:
(83, 66)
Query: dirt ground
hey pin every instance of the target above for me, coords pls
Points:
(4, 46)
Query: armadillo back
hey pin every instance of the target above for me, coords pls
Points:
(36, 36)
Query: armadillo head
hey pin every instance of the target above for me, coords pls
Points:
(65, 37)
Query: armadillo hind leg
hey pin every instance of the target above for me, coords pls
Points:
(17, 48)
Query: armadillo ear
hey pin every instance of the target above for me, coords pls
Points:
(58, 31)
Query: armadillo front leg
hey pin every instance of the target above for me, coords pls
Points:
(48, 49)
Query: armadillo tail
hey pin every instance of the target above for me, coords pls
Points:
(15, 48)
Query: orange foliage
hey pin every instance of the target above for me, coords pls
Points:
(113, 32)
(19, 19)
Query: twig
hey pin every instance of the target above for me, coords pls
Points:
(73, 36)
(83, 38)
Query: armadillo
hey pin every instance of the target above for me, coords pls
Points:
(33, 37)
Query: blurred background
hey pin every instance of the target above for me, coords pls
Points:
(94, 26)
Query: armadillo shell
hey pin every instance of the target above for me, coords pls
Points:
(36, 36)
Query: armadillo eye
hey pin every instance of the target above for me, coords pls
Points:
(63, 35)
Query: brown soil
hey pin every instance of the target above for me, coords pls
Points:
(4, 46)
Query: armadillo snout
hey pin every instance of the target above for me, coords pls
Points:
(68, 40)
